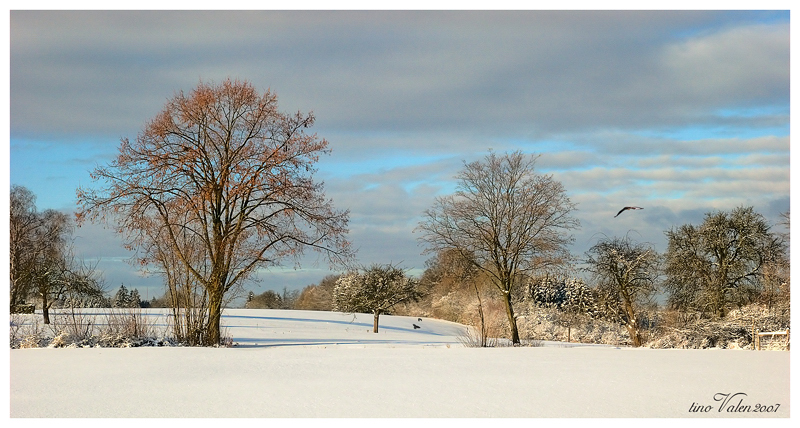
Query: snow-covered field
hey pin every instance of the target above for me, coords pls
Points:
(322, 364)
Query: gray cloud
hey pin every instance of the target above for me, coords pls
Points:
(511, 72)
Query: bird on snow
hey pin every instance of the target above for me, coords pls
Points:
(628, 208)
(415, 326)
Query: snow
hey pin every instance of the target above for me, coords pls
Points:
(309, 364)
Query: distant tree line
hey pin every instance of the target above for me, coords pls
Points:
(272, 300)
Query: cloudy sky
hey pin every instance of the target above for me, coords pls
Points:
(677, 112)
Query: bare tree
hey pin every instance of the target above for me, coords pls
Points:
(785, 221)
(42, 265)
(80, 284)
(37, 241)
(721, 262)
(225, 178)
(23, 221)
(50, 273)
(376, 290)
(626, 274)
(505, 217)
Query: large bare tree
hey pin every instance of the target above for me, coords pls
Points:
(507, 219)
(222, 172)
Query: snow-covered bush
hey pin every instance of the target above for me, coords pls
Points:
(734, 331)
(455, 306)
(566, 294)
(128, 323)
(61, 340)
(15, 332)
(72, 326)
(77, 328)
(26, 332)
(561, 309)
(542, 323)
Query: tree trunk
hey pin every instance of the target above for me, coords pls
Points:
(214, 315)
(512, 320)
(14, 287)
(483, 333)
(632, 324)
(45, 309)
(636, 337)
(377, 314)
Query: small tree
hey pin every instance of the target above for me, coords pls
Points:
(121, 298)
(376, 290)
(289, 298)
(626, 273)
(134, 299)
(55, 274)
(776, 281)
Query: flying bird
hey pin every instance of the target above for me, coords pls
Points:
(628, 208)
(415, 326)
(419, 319)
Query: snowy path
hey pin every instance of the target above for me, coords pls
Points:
(405, 373)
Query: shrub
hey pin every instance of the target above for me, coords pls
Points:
(124, 328)
(734, 331)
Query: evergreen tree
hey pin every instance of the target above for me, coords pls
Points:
(134, 299)
(121, 299)
(570, 296)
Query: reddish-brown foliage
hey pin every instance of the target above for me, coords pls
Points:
(223, 181)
